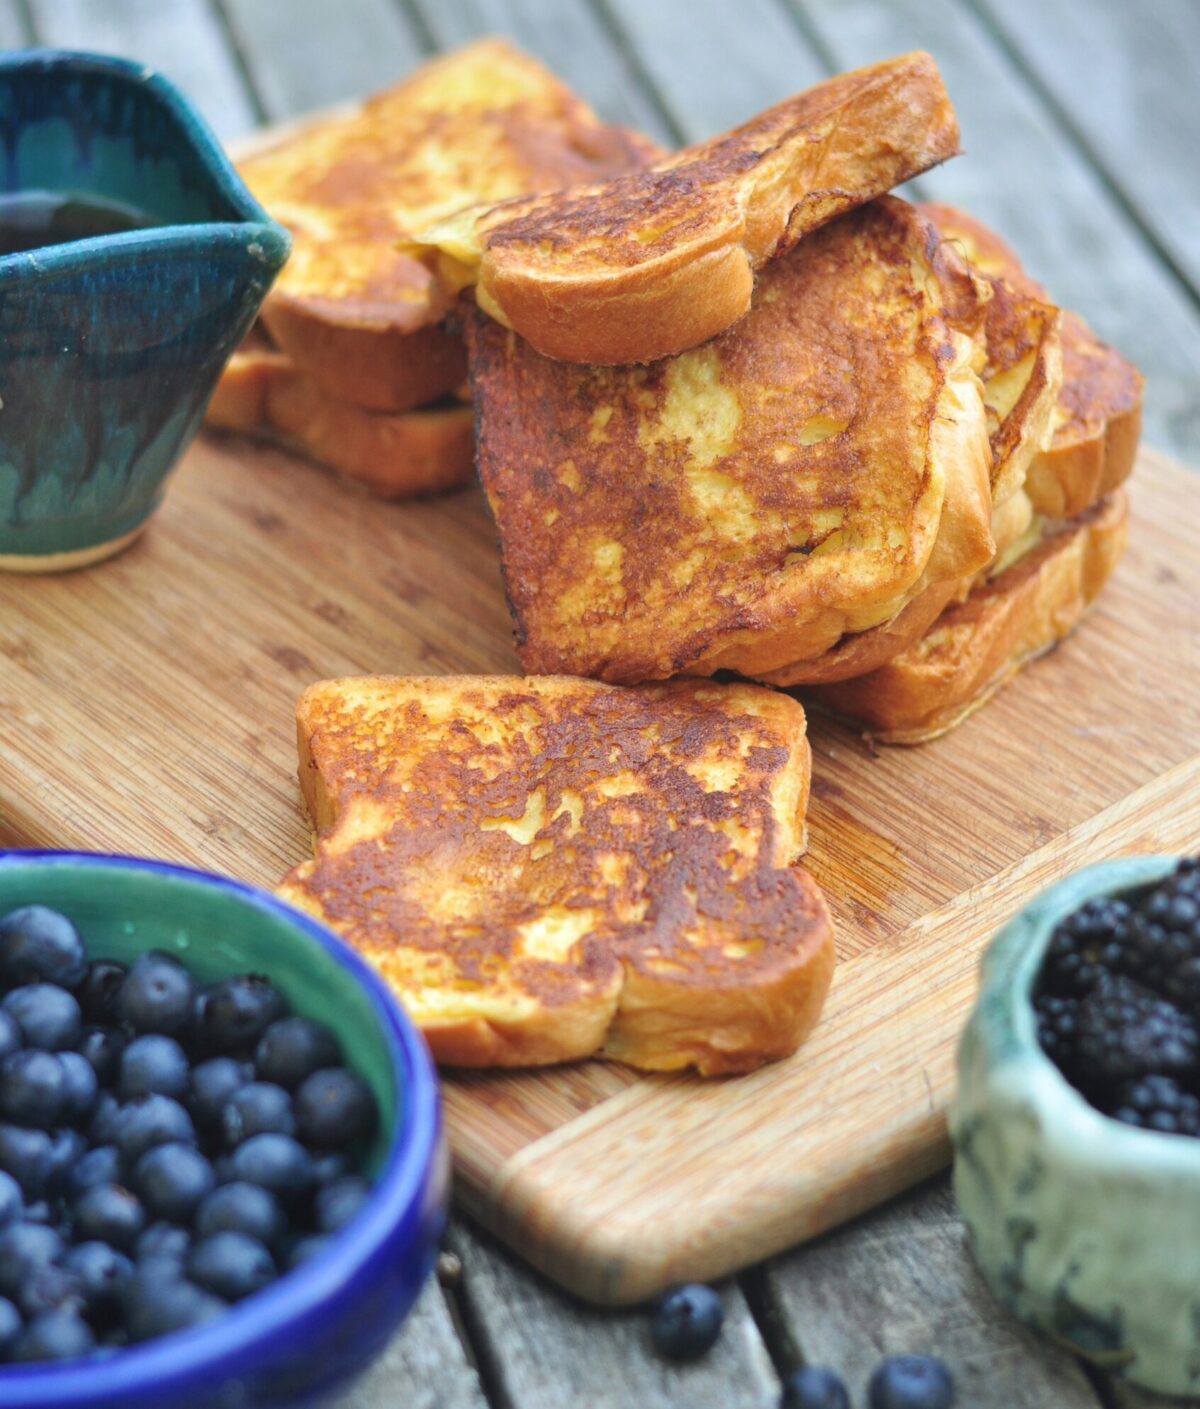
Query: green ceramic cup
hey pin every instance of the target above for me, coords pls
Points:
(1085, 1228)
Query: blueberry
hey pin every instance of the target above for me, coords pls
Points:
(44, 1212)
(172, 1180)
(686, 1322)
(102, 1275)
(109, 1213)
(257, 1109)
(275, 1162)
(242, 1208)
(81, 1087)
(153, 1064)
(33, 1088)
(294, 1048)
(40, 946)
(334, 1108)
(28, 1156)
(57, 1335)
(10, 1199)
(48, 1287)
(10, 1034)
(232, 1015)
(47, 1016)
(231, 1265)
(337, 1203)
(100, 1165)
(23, 1248)
(100, 990)
(155, 1306)
(149, 1121)
(304, 1248)
(67, 1148)
(156, 995)
(106, 1120)
(102, 1048)
(329, 1165)
(164, 1240)
(213, 1083)
(911, 1382)
(814, 1388)
(10, 1325)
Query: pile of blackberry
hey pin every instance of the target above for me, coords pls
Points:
(1118, 1003)
(166, 1148)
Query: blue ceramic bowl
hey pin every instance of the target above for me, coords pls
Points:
(312, 1331)
(110, 346)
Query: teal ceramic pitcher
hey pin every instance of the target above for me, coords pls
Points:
(111, 344)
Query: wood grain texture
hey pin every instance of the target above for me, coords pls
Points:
(424, 1367)
(543, 1352)
(309, 54)
(571, 38)
(1124, 81)
(902, 1281)
(1023, 175)
(148, 707)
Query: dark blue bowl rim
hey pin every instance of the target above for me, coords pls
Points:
(396, 1198)
(254, 224)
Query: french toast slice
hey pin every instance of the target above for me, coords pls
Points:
(1097, 421)
(546, 869)
(483, 123)
(744, 505)
(976, 646)
(657, 261)
(396, 455)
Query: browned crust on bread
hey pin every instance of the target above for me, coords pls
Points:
(656, 262)
(483, 123)
(1094, 431)
(462, 823)
(745, 504)
(976, 646)
(416, 452)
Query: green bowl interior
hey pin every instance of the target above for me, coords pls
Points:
(216, 932)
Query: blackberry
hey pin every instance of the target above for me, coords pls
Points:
(1158, 1103)
(1165, 938)
(1058, 1028)
(1088, 947)
(1126, 1032)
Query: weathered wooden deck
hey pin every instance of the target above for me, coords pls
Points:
(1082, 129)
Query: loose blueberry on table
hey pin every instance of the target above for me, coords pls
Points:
(1118, 1003)
(911, 1382)
(686, 1321)
(166, 1149)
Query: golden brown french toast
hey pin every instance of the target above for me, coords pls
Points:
(547, 868)
(975, 647)
(1097, 421)
(657, 261)
(483, 123)
(744, 505)
(396, 455)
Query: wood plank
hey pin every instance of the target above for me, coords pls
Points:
(308, 54)
(543, 1350)
(714, 64)
(13, 31)
(276, 574)
(184, 39)
(1024, 176)
(1125, 83)
(424, 1367)
(902, 1281)
(570, 38)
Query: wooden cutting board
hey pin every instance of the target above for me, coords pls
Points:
(146, 706)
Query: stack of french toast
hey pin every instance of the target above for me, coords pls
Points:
(738, 412)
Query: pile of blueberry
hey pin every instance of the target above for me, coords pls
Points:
(165, 1148)
(686, 1322)
(1118, 1003)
